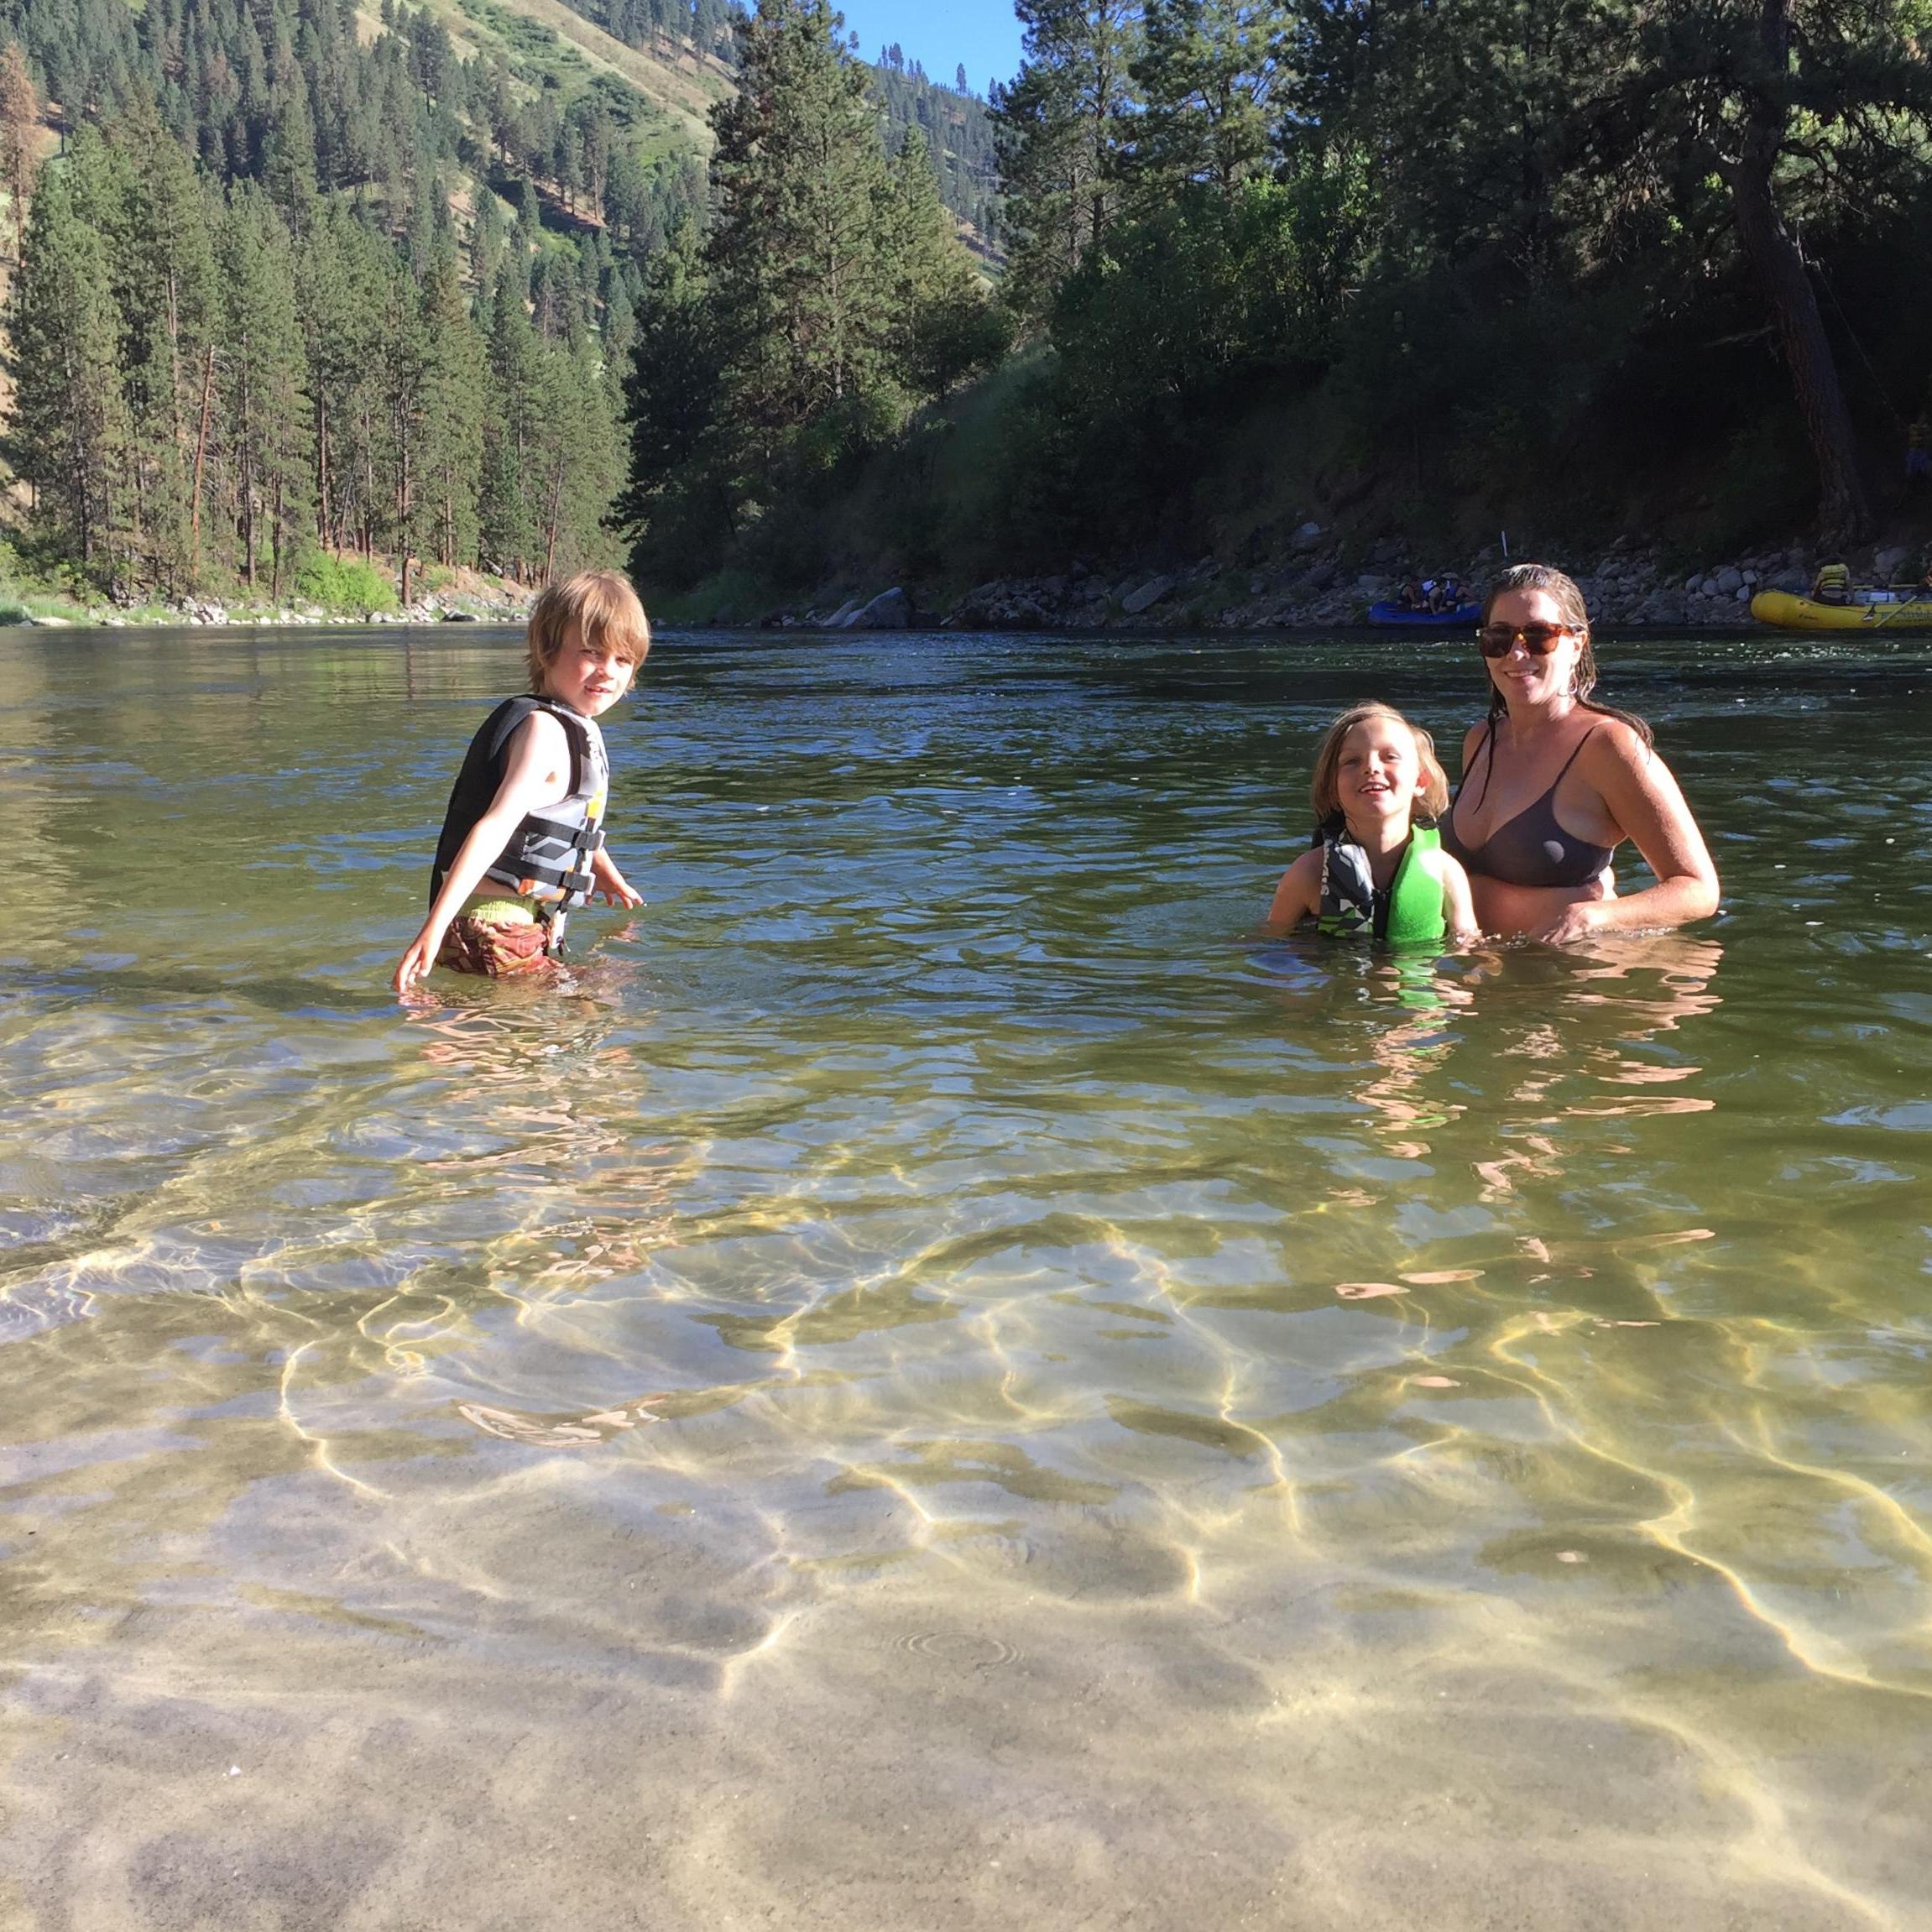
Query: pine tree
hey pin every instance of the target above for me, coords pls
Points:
(1207, 75)
(265, 411)
(1751, 97)
(288, 169)
(944, 329)
(19, 128)
(513, 433)
(801, 283)
(1062, 127)
(399, 381)
(335, 280)
(70, 433)
(576, 452)
(166, 286)
(676, 507)
(454, 400)
(486, 239)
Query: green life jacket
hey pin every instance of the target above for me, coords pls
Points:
(1410, 913)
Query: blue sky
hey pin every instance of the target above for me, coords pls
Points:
(942, 32)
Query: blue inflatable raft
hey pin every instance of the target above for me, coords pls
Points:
(1395, 613)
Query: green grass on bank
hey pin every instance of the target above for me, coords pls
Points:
(344, 583)
(322, 586)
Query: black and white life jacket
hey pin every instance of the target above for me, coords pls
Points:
(548, 857)
(1409, 913)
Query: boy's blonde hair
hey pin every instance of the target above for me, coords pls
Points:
(603, 606)
(1432, 793)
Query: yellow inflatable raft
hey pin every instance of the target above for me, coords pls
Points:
(1868, 610)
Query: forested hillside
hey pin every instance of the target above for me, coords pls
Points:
(296, 279)
(952, 122)
(1578, 269)
(957, 131)
(1660, 256)
(672, 27)
(306, 281)
(831, 301)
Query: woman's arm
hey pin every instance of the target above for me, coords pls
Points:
(1297, 897)
(1642, 798)
(536, 777)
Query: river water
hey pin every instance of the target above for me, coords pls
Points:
(935, 1384)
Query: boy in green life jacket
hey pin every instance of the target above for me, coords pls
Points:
(1374, 874)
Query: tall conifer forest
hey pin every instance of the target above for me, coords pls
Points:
(1571, 268)
(293, 282)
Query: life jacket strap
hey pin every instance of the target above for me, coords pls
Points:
(552, 854)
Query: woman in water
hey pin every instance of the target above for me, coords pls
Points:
(1553, 783)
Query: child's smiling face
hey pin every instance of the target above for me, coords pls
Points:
(590, 678)
(1379, 770)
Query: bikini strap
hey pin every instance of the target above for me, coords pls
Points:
(1570, 761)
(1487, 745)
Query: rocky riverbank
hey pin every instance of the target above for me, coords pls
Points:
(469, 597)
(1628, 586)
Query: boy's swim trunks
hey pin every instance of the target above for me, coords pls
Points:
(498, 939)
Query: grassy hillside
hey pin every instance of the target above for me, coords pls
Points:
(680, 81)
(544, 42)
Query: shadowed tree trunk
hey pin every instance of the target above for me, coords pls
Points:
(1844, 516)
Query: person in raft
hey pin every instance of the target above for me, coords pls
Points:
(1373, 872)
(1833, 583)
(522, 840)
(1565, 781)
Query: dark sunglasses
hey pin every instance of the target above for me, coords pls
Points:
(1497, 640)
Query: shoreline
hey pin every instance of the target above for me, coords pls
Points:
(1626, 587)
(469, 597)
(1307, 632)
(1325, 583)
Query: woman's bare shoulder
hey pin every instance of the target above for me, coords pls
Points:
(1614, 739)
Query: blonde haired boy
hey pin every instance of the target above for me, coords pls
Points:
(523, 839)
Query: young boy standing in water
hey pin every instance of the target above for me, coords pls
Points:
(522, 840)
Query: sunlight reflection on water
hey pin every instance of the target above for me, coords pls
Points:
(934, 1373)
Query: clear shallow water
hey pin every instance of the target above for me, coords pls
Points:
(936, 1384)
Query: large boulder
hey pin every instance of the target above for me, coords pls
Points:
(890, 610)
(1887, 564)
(1147, 595)
(1306, 537)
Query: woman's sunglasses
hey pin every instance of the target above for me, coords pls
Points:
(1497, 640)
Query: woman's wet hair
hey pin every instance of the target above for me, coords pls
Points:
(1431, 794)
(605, 611)
(1563, 592)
